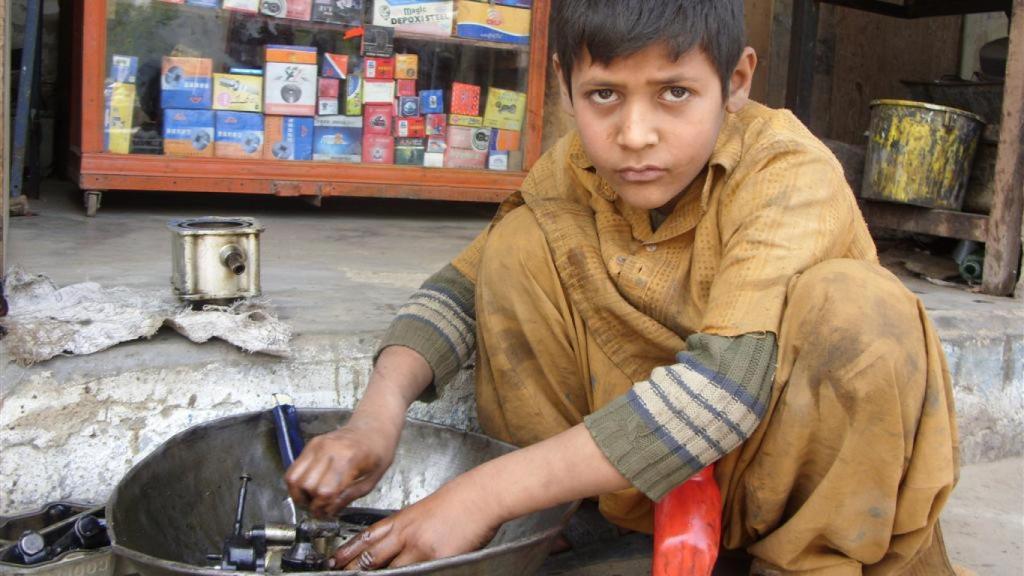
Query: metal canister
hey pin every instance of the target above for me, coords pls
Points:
(215, 259)
(920, 153)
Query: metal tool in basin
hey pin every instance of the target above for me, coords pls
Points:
(215, 259)
(170, 510)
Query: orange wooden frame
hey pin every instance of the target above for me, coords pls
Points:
(95, 169)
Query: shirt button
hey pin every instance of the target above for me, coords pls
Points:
(620, 259)
(652, 247)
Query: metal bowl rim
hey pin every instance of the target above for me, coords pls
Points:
(249, 225)
(928, 106)
(191, 569)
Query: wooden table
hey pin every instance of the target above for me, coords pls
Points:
(1001, 230)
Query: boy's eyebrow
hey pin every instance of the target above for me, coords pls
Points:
(659, 81)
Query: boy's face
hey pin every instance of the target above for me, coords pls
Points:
(648, 123)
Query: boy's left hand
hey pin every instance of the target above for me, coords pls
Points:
(454, 520)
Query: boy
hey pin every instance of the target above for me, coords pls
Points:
(683, 280)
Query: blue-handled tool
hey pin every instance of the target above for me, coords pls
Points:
(286, 423)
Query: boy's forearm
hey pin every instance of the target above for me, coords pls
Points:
(398, 378)
(565, 467)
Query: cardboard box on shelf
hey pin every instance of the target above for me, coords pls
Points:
(437, 124)
(465, 99)
(379, 68)
(497, 160)
(467, 121)
(505, 109)
(405, 88)
(427, 17)
(117, 117)
(469, 138)
(409, 151)
(334, 66)
(433, 160)
(437, 144)
(204, 3)
(378, 41)
(246, 6)
(188, 132)
(288, 138)
(347, 12)
(292, 9)
(238, 135)
(290, 88)
(378, 119)
(338, 139)
(378, 149)
(410, 127)
(378, 91)
(492, 22)
(407, 66)
(505, 140)
(186, 83)
(238, 92)
(290, 54)
(354, 95)
(123, 69)
(328, 96)
(465, 159)
(408, 106)
(432, 101)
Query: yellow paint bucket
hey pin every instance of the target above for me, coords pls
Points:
(920, 153)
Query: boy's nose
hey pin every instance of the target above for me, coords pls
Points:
(638, 130)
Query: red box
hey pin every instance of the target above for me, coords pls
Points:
(377, 119)
(405, 88)
(414, 127)
(468, 159)
(379, 68)
(379, 149)
(437, 124)
(465, 99)
(329, 88)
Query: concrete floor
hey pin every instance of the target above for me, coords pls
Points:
(337, 274)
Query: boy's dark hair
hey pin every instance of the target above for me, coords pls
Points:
(611, 29)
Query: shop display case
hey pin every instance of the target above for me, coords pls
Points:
(435, 99)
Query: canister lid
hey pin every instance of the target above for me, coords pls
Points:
(215, 226)
(927, 106)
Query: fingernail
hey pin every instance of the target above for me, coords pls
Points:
(330, 563)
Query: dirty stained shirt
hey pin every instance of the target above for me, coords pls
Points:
(771, 203)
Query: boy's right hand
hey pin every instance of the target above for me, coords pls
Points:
(338, 467)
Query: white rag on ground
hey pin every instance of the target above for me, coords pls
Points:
(44, 321)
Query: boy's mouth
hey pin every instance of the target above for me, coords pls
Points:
(641, 174)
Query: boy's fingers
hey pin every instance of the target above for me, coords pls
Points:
(342, 500)
(377, 555)
(351, 550)
(311, 482)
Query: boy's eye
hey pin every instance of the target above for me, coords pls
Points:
(676, 94)
(603, 96)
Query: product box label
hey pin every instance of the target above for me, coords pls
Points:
(409, 155)
(378, 149)
(467, 121)
(247, 6)
(432, 101)
(407, 66)
(469, 138)
(293, 9)
(338, 139)
(505, 109)
(497, 161)
(379, 68)
(378, 41)
(186, 83)
(117, 117)
(334, 66)
(290, 89)
(204, 3)
(492, 22)
(378, 91)
(328, 96)
(432, 18)
(465, 159)
(238, 92)
(377, 118)
(465, 99)
(354, 95)
(123, 69)
(288, 138)
(410, 127)
(437, 144)
(437, 124)
(405, 88)
(290, 54)
(188, 132)
(515, 3)
(347, 12)
(505, 140)
(238, 135)
(408, 106)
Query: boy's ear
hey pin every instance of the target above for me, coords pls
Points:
(563, 89)
(741, 81)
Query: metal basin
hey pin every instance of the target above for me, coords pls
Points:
(178, 504)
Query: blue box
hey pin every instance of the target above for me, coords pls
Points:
(432, 101)
(515, 3)
(188, 132)
(186, 83)
(124, 69)
(288, 138)
(338, 138)
(408, 106)
(238, 135)
(204, 3)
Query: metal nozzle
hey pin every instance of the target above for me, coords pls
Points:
(234, 259)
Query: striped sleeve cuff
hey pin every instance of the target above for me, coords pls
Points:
(688, 415)
(439, 323)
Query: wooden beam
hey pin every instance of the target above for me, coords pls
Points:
(1002, 250)
(924, 8)
(945, 223)
(802, 47)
